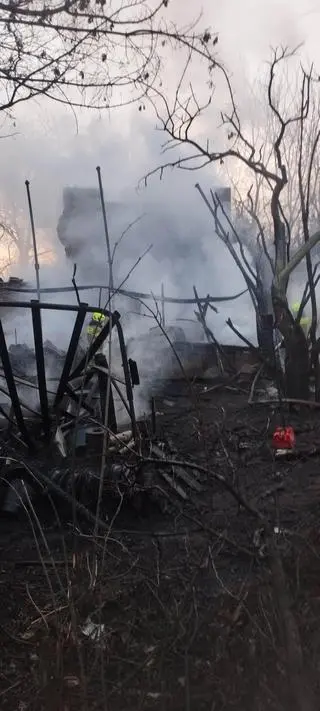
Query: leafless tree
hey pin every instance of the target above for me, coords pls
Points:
(269, 173)
(15, 235)
(301, 157)
(15, 238)
(93, 53)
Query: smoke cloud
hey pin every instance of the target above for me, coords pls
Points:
(53, 149)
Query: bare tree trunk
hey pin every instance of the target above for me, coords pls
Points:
(296, 350)
(264, 320)
(296, 347)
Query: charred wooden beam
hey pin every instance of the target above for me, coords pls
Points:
(127, 377)
(73, 345)
(16, 406)
(41, 371)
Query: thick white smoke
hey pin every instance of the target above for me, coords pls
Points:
(53, 150)
(170, 216)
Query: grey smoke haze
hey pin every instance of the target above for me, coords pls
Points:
(172, 216)
(52, 150)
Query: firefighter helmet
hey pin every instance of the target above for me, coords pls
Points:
(98, 316)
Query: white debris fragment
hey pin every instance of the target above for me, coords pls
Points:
(282, 452)
(93, 630)
(60, 442)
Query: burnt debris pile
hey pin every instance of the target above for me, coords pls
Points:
(60, 409)
(60, 412)
(70, 389)
(68, 420)
(59, 377)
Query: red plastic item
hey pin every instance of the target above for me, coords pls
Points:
(284, 438)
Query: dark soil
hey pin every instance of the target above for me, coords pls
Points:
(185, 597)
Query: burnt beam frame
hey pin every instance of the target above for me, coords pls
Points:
(16, 406)
(66, 377)
(36, 307)
(73, 345)
(53, 307)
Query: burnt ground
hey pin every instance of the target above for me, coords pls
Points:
(211, 603)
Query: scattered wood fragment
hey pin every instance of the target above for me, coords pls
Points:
(170, 480)
(177, 472)
(254, 383)
(182, 474)
(125, 436)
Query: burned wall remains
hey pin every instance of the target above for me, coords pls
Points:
(177, 237)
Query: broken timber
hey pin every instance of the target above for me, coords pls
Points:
(177, 472)
(68, 376)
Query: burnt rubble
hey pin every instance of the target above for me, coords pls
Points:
(72, 421)
(56, 421)
(75, 366)
(142, 486)
(64, 410)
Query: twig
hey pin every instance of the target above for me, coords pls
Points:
(10, 688)
(204, 470)
(245, 340)
(201, 317)
(222, 384)
(75, 283)
(254, 383)
(40, 613)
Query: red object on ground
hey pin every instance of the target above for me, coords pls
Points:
(284, 438)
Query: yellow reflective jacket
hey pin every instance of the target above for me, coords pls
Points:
(98, 321)
(305, 320)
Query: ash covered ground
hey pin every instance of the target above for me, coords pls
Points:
(178, 603)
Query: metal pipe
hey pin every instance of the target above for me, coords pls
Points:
(121, 396)
(105, 224)
(73, 345)
(34, 242)
(41, 370)
(54, 307)
(163, 315)
(124, 292)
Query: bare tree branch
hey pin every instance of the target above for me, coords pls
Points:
(93, 53)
